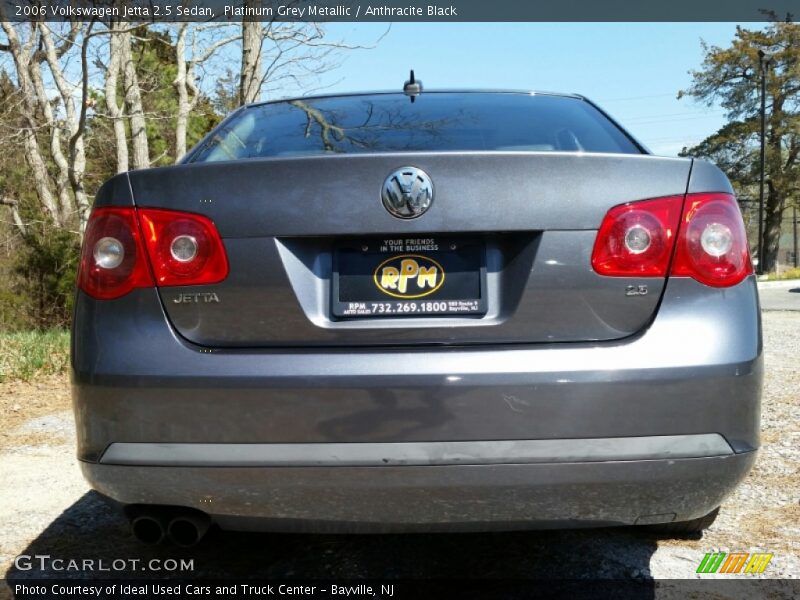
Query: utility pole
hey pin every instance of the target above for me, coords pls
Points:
(794, 227)
(763, 63)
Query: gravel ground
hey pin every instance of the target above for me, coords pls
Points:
(46, 508)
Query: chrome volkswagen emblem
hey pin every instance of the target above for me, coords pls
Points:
(407, 193)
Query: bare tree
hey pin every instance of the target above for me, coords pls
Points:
(115, 110)
(55, 93)
(74, 164)
(185, 82)
(41, 59)
(22, 51)
(278, 53)
(133, 102)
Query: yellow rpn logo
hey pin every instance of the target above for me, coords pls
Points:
(409, 276)
(735, 562)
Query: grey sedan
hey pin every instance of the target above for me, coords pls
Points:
(417, 311)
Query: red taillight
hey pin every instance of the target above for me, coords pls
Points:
(636, 239)
(184, 248)
(712, 243)
(113, 256)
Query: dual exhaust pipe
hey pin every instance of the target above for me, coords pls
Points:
(182, 527)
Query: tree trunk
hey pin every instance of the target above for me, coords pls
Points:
(181, 87)
(41, 178)
(773, 217)
(776, 190)
(56, 150)
(252, 69)
(133, 103)
(112, 104)
(15, 216)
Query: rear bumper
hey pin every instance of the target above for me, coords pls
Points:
(430, 498)
(145, 400)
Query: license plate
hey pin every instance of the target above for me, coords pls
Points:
(409, 277)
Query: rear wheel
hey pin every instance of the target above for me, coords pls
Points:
(685, 528)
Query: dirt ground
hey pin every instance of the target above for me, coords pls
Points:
(47, 508)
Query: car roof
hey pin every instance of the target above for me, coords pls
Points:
(424, 92)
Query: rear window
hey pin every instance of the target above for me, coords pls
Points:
(434, 122)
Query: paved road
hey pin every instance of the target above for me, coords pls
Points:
(780, 295)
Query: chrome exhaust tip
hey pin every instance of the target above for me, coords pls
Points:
(148, 529)
(187, 529)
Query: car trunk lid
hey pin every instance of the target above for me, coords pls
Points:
(530, 217)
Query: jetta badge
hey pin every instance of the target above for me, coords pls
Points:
(407, 193)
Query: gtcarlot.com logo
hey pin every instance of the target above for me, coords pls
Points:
(45, 562)
(734, 562)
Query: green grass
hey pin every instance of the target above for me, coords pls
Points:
(28, 354)
(786, 274)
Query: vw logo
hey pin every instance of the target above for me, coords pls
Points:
(407, 193)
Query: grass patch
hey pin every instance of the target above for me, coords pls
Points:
(28, 354)
(785, 274)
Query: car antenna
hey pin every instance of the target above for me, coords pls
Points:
(412, 88)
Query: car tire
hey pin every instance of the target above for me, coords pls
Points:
(687, 528)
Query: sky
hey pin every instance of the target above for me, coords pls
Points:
(632, 70)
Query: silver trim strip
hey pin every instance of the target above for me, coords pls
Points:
(417, 453)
